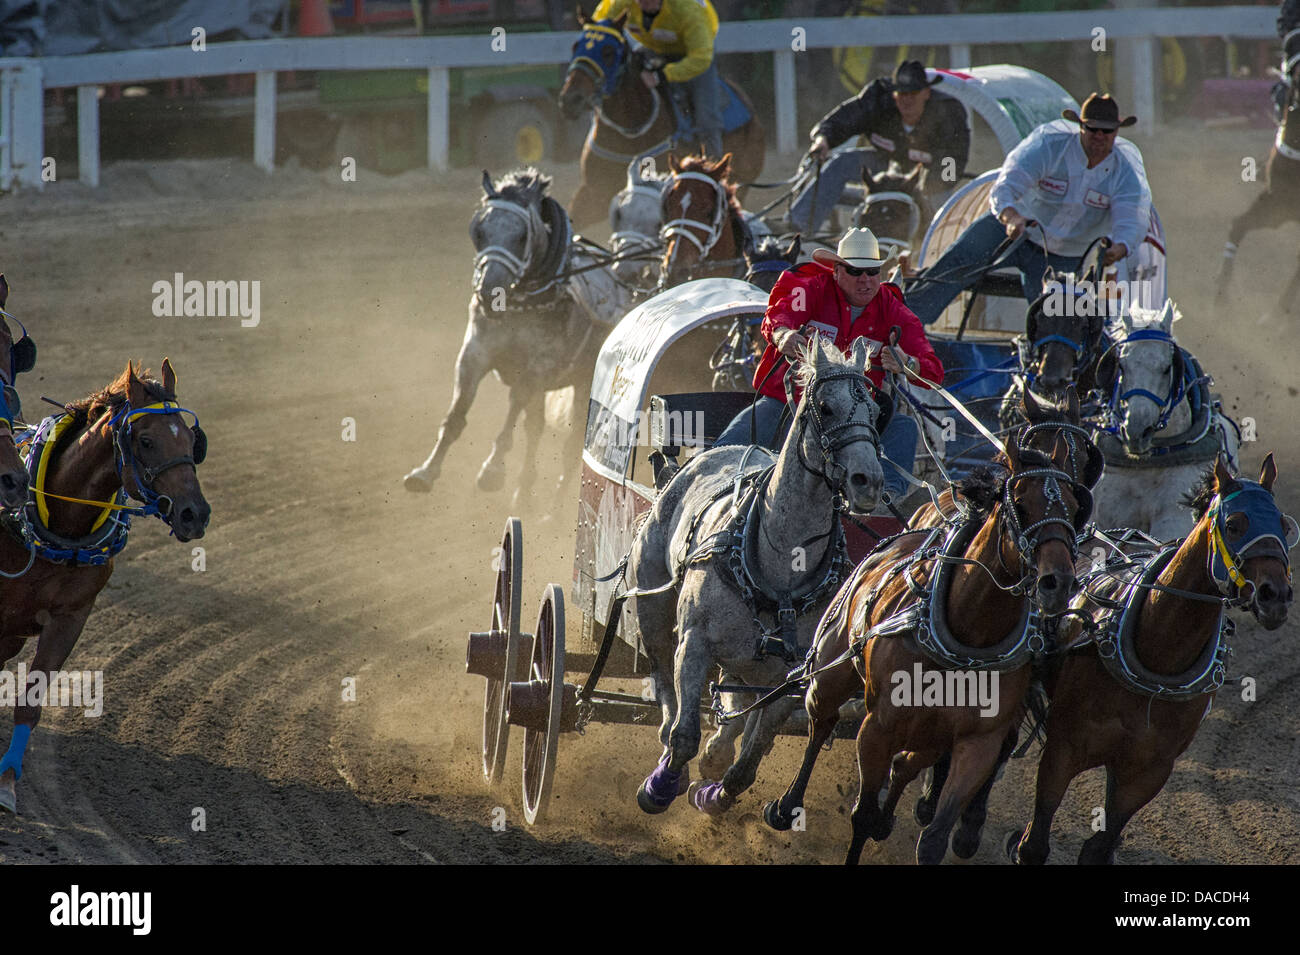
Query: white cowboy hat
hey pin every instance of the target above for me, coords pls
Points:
(858, 248)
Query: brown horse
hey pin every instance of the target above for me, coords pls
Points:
(19, 356)
(630, 120)
(1051, 468)
(1136, 710)
(703, 230)
(56, 554)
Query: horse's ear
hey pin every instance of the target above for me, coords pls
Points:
(1167, 317)
(4, 290)
(673, 165)
(861, 352)
(1031, 407)
(1268, 473)
(1222, 473)
(1013, 451)
(168, 377)
(580, 14)
(791, 251)
(487, 185)
(618, 24)
(134, 388)
(915, 176)
(1071, 404)
(722, 166)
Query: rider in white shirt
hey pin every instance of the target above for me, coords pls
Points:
(1078, 182)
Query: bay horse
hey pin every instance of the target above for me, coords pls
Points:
(127, 441)
(629, 120)
(1010, 571)
(738, 535)
(895, 208)
(1279, 203)
(523, 324)
(704, 231)
(20, 356)
(1133, 695)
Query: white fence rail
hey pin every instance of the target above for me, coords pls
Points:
(23, 81)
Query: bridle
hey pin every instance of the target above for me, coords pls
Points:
(686, 228)
(1177, 384)
(1224, 564)
(143, 476)
(607, 80)
(628, 241)
(517, 266)
(913, 218)
(1027, 538)
(831, 439)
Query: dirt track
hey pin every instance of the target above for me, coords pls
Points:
(223, 689)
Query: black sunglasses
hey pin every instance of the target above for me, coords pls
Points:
(855, 271)
(1097, 129)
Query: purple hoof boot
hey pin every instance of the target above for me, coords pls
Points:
(710, 799)
(659, 789)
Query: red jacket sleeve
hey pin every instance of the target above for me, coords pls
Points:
(792, 288)
(912, 341)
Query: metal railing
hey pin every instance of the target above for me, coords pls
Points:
(24, 80)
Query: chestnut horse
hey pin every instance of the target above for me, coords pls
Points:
(1024, 519)
(56, 553)
(630, 120)
(1135, 704)
(704, 230)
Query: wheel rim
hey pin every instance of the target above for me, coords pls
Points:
(529, 144)
(505, 618)
(548, 666)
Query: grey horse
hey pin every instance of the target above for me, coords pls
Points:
(523, 324)
(736, 527)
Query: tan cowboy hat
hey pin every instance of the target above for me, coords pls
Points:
(1099, 111)
(858, 248)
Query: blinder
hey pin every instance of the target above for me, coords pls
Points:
(200, 444)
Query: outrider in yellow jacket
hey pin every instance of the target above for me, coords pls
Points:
(682, 30)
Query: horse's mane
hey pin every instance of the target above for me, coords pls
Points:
(831, 355)
(983, 486)
(1200, 494)
(710, 168)
(114, 396)
(524, 186)
(767, 248)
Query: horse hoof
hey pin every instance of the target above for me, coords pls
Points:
(923, 812)
(491, 479)
(649, 803)
(419, 481)
(775, 818)
(881, 830)
(965, 844)
(1010, 843)
(709, 798)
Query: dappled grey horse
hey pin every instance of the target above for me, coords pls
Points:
(534, 319)
(1164, 427)
(740, 534)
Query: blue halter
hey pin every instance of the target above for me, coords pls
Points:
(1177, 385)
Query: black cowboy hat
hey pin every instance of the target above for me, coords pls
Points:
(910, 77)
(1099, 111)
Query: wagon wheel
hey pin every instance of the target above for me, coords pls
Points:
(548, 667)
(495, 654)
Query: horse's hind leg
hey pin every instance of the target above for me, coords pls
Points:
(966, 838)
(492, 475)
(973, 759)
(471, 365)
(780, 813)
(534, 421)
(923, 811)
(718, 797)
(1124, 797)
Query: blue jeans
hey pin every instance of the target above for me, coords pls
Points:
(706, 109)
(842, 169)
(962, 265)
(898, 441)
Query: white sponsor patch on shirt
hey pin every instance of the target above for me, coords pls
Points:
(1097, 200)
(667, 36)
(830, 331)
(1056, 187)
(880, 142)
(919, 155)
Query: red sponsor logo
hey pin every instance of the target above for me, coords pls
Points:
(881, 142)
(1056, 187)
(1097, 200)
